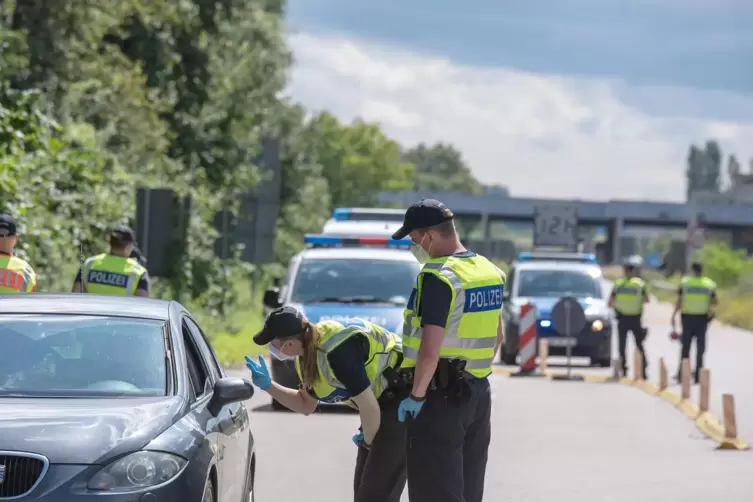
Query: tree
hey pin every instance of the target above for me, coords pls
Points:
(704, 168)
(358, 160)
(733, 170)
(441, 167)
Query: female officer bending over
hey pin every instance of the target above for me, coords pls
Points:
(354, 364)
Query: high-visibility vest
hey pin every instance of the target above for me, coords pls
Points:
(628, 297)
(696, 295)
(384, 350)
(470, 334)
(16, 276)
(108, 274)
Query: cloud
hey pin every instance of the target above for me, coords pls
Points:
(541, 135)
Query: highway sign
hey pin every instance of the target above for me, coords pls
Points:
(563, 341)
(555, 225)
(696, 237)
(568, 318)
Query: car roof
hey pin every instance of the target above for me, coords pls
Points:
(558, 265)
(358, 253)
(86, 304)
(361, 228)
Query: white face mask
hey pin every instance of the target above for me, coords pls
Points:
(278, 354)
(419, 252)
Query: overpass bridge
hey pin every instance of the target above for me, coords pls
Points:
(614, 215)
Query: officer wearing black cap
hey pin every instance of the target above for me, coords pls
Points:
(16, 276)
(114, 273)
(451, 334)
(353, 364)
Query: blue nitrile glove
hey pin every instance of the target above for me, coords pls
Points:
(259, 373)
(409, 406)
(359, 441)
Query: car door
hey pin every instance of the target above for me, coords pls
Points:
(233, 424)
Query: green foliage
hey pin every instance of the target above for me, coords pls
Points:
(726, 266)
(442, 167)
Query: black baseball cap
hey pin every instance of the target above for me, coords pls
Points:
(281, 322)
(7, 225)
(423, 214)
(123, 233)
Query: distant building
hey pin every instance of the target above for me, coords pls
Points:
(741, 192)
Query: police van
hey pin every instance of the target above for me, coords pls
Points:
(343, 278)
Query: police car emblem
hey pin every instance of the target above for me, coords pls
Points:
(2, 473)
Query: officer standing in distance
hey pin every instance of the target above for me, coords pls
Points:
(114, 273)
(16, 276)
(452, 333)
(695, 298)
(627, 299)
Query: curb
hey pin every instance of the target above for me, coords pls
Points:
(708, 424)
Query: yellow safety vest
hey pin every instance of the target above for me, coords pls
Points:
(108, 274)
(628, 298)
(16, 276)
(696, 295)
(384, 350)
(471, 331)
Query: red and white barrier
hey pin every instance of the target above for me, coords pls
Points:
(528, 336)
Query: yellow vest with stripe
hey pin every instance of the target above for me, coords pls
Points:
(696, 295)
(108, 274)
(471, 331)
(384, 349)
(628, 297)
(16, 276)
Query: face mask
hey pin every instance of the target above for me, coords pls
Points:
(419, 252)
(278, 354)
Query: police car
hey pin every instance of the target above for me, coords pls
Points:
(343, 278)
(542, 279)
(364, 221)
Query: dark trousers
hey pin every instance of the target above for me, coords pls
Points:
(631, 324)
(693, 327)
(448, 445)
(381, 470)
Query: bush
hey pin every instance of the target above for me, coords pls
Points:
(726, 266)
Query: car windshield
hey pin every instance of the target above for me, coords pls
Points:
(72, 355)
(558, 283)
(355, 281)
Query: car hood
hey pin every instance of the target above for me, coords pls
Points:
(84, 431)
(390, 317)
(593, 307)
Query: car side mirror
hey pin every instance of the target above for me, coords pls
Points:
(228, 391)
(506, 295)
(272, 298)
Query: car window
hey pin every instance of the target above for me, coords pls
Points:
(197, 369)
(75, 355)
(558, 283)
(358, 280)
(206, 349)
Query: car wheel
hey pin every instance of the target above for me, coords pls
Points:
(208, 492)
(507, 358)
(277, 406)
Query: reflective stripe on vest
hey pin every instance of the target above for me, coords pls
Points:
(475, 311)
(628, 298)
(383, 353)
(16, 276)
(696, 295)
(108, 274)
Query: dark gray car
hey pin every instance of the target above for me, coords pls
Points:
(117, 397)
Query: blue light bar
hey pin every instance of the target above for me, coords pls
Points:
(548, 256)
(318, 240)
(341, 214)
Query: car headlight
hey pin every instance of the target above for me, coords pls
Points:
(143, 469)
(597, 325)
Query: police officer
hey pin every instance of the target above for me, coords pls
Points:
(16, 276)
(695, 298)
(451, 335)
(354, 364)
(114, 273)
(627, 299)
(137, 255)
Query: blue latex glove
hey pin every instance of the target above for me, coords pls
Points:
(259, 373)
(409, 406)
(359, 441)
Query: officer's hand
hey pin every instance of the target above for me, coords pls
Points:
(259, 373)
(409, 406)
(359, 441)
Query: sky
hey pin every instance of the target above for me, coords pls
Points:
(590, 99)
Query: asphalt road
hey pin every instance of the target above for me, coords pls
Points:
(564, 441)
